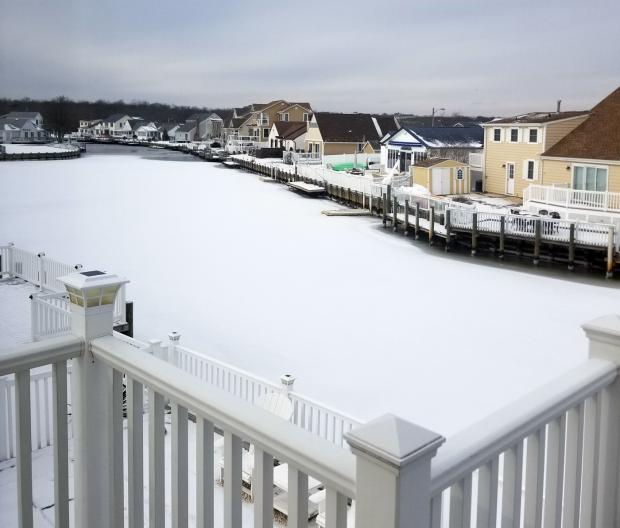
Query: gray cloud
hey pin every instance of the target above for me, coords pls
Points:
(475, 57)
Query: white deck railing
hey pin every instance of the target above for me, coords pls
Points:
(583, 233)
(551, 458)
(536, 461)
(572, 198)
(43, 272)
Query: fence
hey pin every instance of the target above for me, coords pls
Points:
(564, 197)
(523, 226)
(43, 272)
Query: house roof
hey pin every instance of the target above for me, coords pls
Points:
(20, 122)
(7, 124)
(445, 137)
(387, 124)
(236, 122)
(187, 127)
(305, 106)
(244, 110)
(21, 115)
(598, 137)
(430, 162)
(290, 129)
(346, 128)
(135, 124)
(113, 118)
(536, 117)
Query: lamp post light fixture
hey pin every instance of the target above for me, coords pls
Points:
(435, 110)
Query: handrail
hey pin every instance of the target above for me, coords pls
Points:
(331, 465)
(37, 354)
(471, 448)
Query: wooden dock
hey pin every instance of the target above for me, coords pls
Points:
(309, 189)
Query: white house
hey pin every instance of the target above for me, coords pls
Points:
(9, 133)
(288, 135)
(28, 124)
(35, 117)
(148, 132)
(408, 145)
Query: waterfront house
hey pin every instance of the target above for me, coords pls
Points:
(332, 133)
(254, 122)
(408, 145)
(148, 131)
(25, 127)
(441, 176)
(513, 146)
(88, 128)
(186, 132)
(288, 135)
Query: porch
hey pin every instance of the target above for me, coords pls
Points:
(607, 202)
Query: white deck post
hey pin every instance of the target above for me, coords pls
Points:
(173, 341)
(393, 474)
(604, 336)
(91, 296)
(41, 256)
(9, 265)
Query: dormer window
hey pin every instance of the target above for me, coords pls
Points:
(514, 135)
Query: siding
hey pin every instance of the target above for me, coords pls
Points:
(422, 176)
(556, 131)
(339, 148)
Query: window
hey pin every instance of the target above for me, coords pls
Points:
(306, 116)
(530, 170)
(265, 132)
(533, 135)
(284, 117)
(459, 174)
(514, 135)
(589, 178)
(497, 134)
(393, 158)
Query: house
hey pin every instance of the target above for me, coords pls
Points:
(513, 147)
(88, 128)
(288, 135)
(254, 122)
(332, 133)
(148, 132)
(186, 132)
(409, 145)
(35, 117)
(441, 176)
(587, 158)
(29, 127)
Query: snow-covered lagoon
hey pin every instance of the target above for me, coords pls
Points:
(253, 274)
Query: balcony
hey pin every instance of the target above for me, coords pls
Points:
(550, 457)
(572, 198)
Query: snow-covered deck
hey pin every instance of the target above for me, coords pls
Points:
(15, 312)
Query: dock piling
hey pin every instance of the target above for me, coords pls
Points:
(571, 247)
(537, 234)
(431, 225)
(406, 217)
(448, 229)
(417, 220)
(474, 233)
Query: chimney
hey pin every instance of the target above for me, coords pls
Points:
(559, 104)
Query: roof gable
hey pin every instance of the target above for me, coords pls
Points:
(346, 128)
(598, 137)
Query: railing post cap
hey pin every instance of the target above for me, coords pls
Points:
(174, 336)
(604, 328)
(394, 441)
(41, 254)
(287, 381)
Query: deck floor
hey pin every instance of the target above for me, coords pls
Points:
(15, 312)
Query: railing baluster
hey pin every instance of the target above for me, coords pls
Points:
(37, 412)
(551, 474)
(509, 487)
(297, 498)
(135, 460)
(335, 509)
(586, 507)
(436, 504)
(457, 516)
(262, 489)
(61, 444)
(179, 467)
(232, 480)
(204, 473)
(561, 465)
(533, 493)
(118, 492)
(24, 449)
(156, 461)
(576, 460)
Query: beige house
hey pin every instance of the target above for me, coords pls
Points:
(441, 176)
(333, 134)
(513, 146)
(588, 159)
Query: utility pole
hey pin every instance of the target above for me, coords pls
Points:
(433, 115)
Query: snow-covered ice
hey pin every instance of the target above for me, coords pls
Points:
(252, 273)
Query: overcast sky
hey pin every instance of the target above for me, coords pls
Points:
(476, 57)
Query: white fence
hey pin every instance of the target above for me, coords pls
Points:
(524, 226)
(43, 272)
(564, 197)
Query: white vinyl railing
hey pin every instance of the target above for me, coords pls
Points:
(43, 272)
(49, 315)
(534, 462)
(525, 226)
(572, 198)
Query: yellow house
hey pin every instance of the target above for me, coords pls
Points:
(512, 148)
(588, 159)
(441, 176)
(332, 133)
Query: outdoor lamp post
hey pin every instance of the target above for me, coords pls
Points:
(93, 387)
